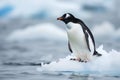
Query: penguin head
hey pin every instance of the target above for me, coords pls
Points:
(66, 18)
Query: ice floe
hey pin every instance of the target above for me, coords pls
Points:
(108, 64)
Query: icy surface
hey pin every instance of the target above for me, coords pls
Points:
(105, 65)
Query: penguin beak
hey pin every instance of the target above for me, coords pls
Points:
(60, 18)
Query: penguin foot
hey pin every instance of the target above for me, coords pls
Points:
(83, 61)
(79, 60)
(74, 59)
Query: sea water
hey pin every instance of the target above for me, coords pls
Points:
(32, 56)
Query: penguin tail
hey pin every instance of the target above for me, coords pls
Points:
(97, 54)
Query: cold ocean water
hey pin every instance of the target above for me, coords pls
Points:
(22, 52)
(30, 35)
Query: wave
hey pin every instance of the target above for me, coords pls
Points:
(25, 63)
(51, 7)
(37, 6)
(108, 64)
(50, 31)
(41, 31)
(107, 31)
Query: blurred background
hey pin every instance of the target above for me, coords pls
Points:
(30, 33)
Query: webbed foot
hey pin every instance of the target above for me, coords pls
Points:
(79, 60)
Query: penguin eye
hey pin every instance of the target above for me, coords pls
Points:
(64, 16)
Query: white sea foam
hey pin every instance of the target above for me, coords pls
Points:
(41, 31)
(107, 64)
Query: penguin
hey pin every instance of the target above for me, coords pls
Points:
(80, 39)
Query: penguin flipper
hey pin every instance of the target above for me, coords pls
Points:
(97, 54)
(87, 40)
(69, 47)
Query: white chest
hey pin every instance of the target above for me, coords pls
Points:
(76, 38)
(75, 32)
